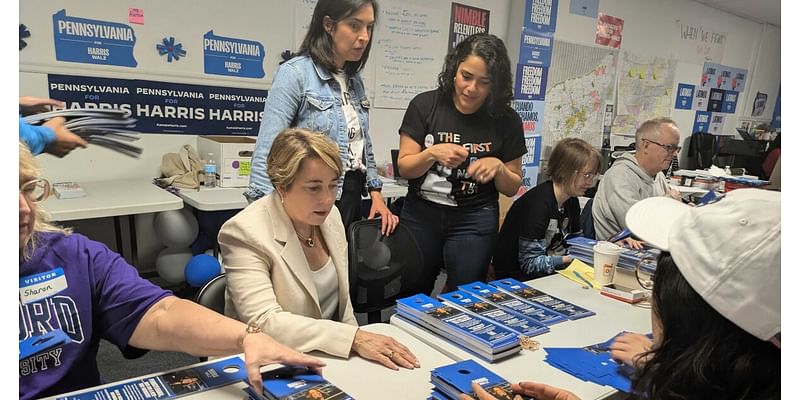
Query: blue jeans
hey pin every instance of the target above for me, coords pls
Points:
(460, 240)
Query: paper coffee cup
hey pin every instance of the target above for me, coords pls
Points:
(606, 255)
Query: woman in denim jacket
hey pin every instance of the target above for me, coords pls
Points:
(321, 89)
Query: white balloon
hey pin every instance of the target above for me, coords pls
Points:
(176, 228)
(170, 263)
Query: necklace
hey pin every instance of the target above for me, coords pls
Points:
(309, 241)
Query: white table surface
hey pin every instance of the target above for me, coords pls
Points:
(612, 316)
(215, 199)
(356, 376)
(113, 198)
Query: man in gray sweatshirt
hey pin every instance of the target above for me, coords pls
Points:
(635, 177)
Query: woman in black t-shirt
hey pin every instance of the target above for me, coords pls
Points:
(460, 145)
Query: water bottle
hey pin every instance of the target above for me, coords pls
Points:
(210, 172)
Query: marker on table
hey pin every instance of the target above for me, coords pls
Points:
(586, 281)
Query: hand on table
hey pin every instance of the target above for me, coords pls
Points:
(539, 391)
(260, 349)
(630, 242)
(384, 349)
(630, 347)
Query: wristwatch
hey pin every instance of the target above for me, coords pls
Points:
(251, 328)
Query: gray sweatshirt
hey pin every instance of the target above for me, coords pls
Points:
(622, 185)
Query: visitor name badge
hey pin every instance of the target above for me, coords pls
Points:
(33, 288)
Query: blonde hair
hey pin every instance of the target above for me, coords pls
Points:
(29, 170)
(569, 157)
(291, 147)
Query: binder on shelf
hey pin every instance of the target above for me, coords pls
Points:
(497, 297)
(523, 291)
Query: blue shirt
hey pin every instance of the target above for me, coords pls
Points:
(37, 137)
(305, 95)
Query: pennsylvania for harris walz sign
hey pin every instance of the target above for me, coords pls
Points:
(232, 57)
(92, 41)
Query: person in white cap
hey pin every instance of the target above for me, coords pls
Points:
(716, 300)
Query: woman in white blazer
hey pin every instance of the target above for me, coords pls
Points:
(285, 257)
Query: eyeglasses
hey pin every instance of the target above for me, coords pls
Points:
(589, 176)
(36, 190)
(670, 148)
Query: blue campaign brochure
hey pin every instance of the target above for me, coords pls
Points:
(296, 383)
(479, 335)
(173, 384)
(493, 295)
(454, 379)
(526, 292)
(510, 319)
(38, 344)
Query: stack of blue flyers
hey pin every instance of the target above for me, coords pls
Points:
(582, 248)
(543, 299)
(469, 331)
(295, 383)
(513, 320)
(506, 301)
(592, 363)
(450, 381)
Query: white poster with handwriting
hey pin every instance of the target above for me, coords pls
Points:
(697, 43)
(409, 47)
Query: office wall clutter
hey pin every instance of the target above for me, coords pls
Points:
(409, 45)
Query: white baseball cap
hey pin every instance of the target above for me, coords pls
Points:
(728, 250)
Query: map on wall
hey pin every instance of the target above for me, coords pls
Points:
(644, 91)
(581, 82)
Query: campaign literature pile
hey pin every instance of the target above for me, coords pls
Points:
(592, 363)
(506, 301)
(581, 248)
(451, 380)
(295, 383)
(523, 291)
(518, 322)
(109, 128)
(469, 331)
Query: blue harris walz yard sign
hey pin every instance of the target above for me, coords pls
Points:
(232, 57)
(91, 41)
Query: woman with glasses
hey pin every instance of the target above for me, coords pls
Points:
(532, 240)
(80, 291)
(321, 89)
(461, 145)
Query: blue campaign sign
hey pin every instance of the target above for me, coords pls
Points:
(162, 107)
(683, 100)
(729, 99)
(232, 57)
(530, 82)
(702, 121)
(535, 47)
(541, 15)
(92, 41)
(776, 113)
(531, 112)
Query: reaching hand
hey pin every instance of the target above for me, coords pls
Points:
(389, 221)
(384, 350)
(260, 350)
(539, 391)
(630, 347)
(450, 155)
(66, 141)
(34, 105)
(484, 169)
(630, 242)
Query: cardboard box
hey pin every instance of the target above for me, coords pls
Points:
(232, 154)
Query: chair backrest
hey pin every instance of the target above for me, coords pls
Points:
(212, 294)
(382, 268)
(587, 220)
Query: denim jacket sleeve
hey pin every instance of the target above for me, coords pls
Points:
(533, 258)
(282, 103)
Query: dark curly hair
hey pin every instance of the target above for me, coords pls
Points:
(702, 354)
(493, 52)
(318, 43)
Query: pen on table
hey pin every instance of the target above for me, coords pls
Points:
(586, 281)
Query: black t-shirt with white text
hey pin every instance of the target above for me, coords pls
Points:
(432, 119)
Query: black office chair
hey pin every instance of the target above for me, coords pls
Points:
(382, 268)
(212, 295)
(703, 148)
